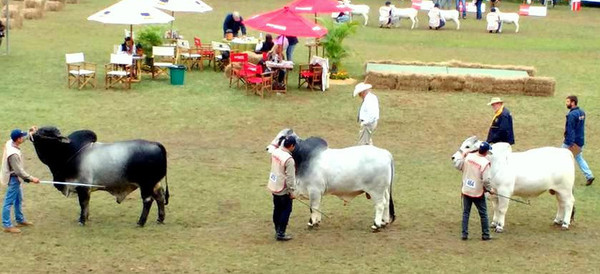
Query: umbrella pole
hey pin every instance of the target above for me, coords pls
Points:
(172, 14)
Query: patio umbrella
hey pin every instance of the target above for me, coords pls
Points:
(285, 22)
(131, 12)
(318, 6)
(181, 6)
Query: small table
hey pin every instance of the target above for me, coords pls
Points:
(137, 67)
(286, 66)
(242, 44)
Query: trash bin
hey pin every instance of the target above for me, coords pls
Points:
(177, 74)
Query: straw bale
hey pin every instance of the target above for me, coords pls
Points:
(413, 82)
(72, 1)
(447, 83)
(509, 85)
(253, 57)
(14, 23)
(54, 6)
(62, 1)
(457, 64)
(31, 4)
(34, 13)
(481, 84)
(381, 80)
(229, 68)
(540, 86)
(14, 10)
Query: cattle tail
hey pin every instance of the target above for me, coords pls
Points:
(164, 151)
(392, 211)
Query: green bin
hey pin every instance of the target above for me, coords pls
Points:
(177, 74)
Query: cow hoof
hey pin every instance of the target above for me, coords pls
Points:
(557, 223)
(140, 225)
(564, 227)
(81, 224)
(160, 222)
(375, 229)
(499, 229)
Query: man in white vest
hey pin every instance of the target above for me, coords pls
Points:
(281, 183)
(476, 180)
(12, 170)
(368, 114)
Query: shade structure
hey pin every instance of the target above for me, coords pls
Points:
(131, 12)
(318, 6)
(182, 5)
(285, 22)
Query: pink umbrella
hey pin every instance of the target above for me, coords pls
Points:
(285, 22)
(318, 6)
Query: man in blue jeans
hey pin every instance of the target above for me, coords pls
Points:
(12, 170)
(476, 180)
(575, 136)
(292, 42)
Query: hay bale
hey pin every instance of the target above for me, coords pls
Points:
(413, 82)
(253, 57)
(227, 70)
(381, 80)
(481, 84)
(72, 1)
(14, 23)
(509, 85)
(34, 13)
(14, 11)
(33, 4)
(539, 86)
(54, 6)
(447, 83)
(62, 1)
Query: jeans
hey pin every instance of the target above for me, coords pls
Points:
(282, 208)
(582, 164)
(481, 208)
(14, 196)
(442, 24)
(289, 53)
(478, 5)
(464, 13)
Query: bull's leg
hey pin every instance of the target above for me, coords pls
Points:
(566, 202)
(379, 202)
(560, 212)
(159, 196)
(386, 207)
(502, 208)
(413, 22)
(315, 201)
(147, 204)
(494, 200)
(83, 193)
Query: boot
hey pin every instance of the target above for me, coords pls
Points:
(12, 229)
(284, 237)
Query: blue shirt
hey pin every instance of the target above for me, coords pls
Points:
(501, 129)
(233, 25)
(575, 127)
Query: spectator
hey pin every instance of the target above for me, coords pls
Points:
(234, 22)
(493, 21)
(267, 45)
(289, 52)
(436, 20)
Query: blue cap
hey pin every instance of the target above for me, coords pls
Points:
(17, 133)
(484, 147)
(290, 140)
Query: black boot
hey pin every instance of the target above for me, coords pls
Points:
(281, 236)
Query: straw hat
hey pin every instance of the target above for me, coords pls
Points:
(360, 87)
(495, 100)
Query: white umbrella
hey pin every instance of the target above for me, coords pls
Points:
(181, 6)
(131, 12)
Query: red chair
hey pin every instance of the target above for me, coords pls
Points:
(310, 75)
(206, 52)
(260, 82)
(237, 61)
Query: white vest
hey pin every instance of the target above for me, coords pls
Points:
(473, 169)
(277, 181)
(9, 150)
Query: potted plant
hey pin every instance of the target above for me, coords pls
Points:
(149, 37)
(332, 42)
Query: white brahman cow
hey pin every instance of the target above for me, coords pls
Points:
(410, 13)
(508, 18)
(527, 174)
(357, 10)
(451, 15)
(345, 173)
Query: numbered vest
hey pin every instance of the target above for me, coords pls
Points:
(277, 181)
(473, 169)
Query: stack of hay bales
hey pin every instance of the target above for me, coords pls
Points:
(54, 5)
(34, 9)
(539, 86)
(14, 16)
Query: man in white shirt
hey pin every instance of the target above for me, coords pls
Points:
(385, 15)
(368, 113)
(436, 20)
(493, 21)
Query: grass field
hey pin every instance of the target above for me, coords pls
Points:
(219, 218)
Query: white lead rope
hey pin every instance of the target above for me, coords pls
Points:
(70, 184)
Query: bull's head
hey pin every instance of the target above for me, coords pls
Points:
(471, 144)
(53, 150)
(279, 139)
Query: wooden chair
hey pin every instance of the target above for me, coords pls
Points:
(260, 82)
(206, 52)
(310, 75)
(237, 60)
(188, 56)
(163, 58)
(118, 71)
(219, 48)
(79, 71)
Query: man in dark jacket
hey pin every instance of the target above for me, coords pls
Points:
(234, 22)
(575, 136)
(501, 129)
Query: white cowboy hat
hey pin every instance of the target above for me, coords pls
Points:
(495, 100)
(360, 87)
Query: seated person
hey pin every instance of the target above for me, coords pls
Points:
(342, 17)
(267, 45)
(385, 15)
(493, 21)
(436, 20)
(128, 46)
(276, 56)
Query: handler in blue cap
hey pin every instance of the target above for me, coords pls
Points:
(281, 183)
(12, 170)
(476, 179)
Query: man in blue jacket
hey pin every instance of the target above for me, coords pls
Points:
(501, 129)
(234, 22)
(575, 136)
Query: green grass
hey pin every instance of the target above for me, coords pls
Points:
(220, 211)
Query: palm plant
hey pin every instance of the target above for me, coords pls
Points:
(150, 36)
(332, 42)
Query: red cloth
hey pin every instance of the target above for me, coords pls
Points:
(285, 22)
(318, 6)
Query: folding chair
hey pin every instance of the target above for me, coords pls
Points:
(188, 56)
(219, 48)
(237, 60)
(311, 75)
(260, 82)
(206, 52)
(79, 71)
(163, 58)
(118, 71)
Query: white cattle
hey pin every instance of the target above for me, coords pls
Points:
(508, 18)
(345, 173)
(362, 10)
(451, 15)
(527, 174)
(410, 13)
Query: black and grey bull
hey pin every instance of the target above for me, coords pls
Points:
(118, 168)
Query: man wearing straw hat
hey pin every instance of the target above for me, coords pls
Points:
(501, 129)
(368, 114)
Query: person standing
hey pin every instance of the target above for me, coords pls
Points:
(575, 136)
(289, 52)
(478, 6)
(12, 170)
(234, 22)
(281, 184)
(501, 129)
(475, 181)
(368, 114)
(464, 8)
